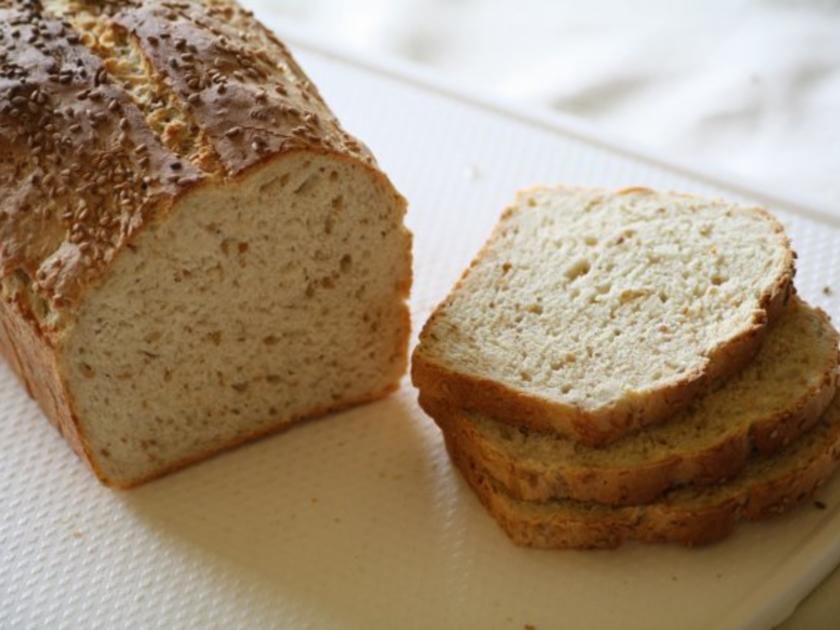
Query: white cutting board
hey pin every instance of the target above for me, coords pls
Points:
(358, 520)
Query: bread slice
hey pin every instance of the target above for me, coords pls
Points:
(691, 516)
(594, 313)
(193, 252)
(777, 397)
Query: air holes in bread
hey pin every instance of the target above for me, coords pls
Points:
(577, 269)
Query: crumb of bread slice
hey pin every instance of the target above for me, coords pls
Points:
(593, 313)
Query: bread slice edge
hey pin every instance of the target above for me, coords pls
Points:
(626, 485)
(663, 522)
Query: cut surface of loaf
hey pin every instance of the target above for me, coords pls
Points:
(193, 251)
(593, 313)
(771, 402)
(691, 516)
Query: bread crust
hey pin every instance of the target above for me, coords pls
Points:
(636, 485)
(72, 199)
(662, 522)
(32, 356)
(607, 424)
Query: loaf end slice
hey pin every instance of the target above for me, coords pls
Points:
(193, 252)
(768, 486)
(250, 308)
(594, 313)
(781, 394)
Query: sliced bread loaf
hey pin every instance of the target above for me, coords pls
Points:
(767, 486)
(594, 313)
(193, 252)
(777, 397)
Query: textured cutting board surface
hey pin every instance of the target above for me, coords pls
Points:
(359, 520)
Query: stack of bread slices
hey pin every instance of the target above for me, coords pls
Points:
(632, 364)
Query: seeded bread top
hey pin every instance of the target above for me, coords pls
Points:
(111, 110)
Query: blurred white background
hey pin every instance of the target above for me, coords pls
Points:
(750, 87)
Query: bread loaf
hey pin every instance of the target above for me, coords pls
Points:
(192, 251)
(593, 313)
(769, 404)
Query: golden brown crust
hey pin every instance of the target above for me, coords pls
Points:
(83, 171)
(608, 424)
(610, 486)
(74, 186)
(659, 522)
(33, 359)
(238, 82)
(635, 485)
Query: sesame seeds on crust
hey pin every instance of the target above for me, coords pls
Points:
(110, 110)
(81, 170)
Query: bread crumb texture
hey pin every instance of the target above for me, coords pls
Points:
(585, 297)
